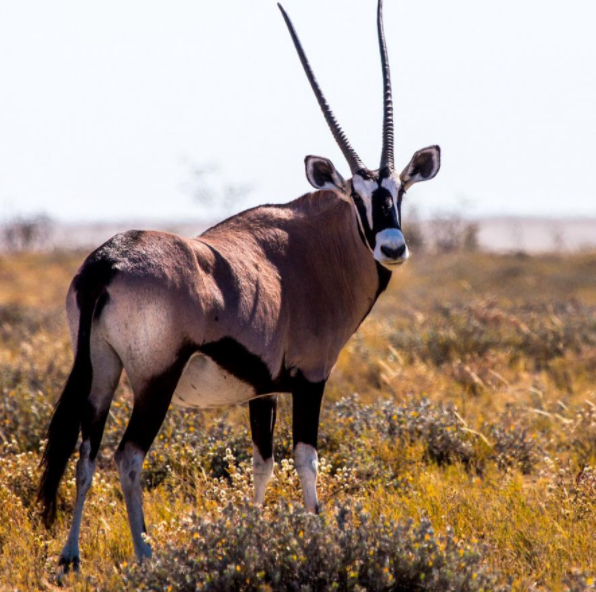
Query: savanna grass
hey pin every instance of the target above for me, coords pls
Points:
(457, 444)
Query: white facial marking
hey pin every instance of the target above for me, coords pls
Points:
(392, 239)
(392, 185)
(365, 189)
(306, 461)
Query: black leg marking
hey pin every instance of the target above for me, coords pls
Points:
(263, 412)
(150, 408)
(306, 408)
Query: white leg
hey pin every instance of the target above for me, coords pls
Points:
(262, 471)
(306, 461)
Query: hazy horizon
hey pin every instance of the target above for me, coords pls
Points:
(107, 109)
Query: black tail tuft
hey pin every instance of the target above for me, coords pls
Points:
(63, 434)
(65, 425)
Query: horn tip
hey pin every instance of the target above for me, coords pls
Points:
(283, 12)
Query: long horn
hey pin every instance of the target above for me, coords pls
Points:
(339, 135)
(387, 159)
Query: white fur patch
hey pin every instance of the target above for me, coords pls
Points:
(391, 238)
(306, 461)
(206, 384)
(262, 471)
(392, 185)
(365, 188)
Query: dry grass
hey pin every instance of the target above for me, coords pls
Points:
(463, 463)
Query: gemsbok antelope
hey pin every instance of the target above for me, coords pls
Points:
(260, 304)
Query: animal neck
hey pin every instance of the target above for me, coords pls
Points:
(345, 243)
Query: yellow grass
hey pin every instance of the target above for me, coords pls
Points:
(509, 340)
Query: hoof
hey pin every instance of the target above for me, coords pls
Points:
(68, 563)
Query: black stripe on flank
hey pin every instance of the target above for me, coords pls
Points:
(234, 358)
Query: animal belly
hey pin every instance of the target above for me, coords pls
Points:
(206, 384)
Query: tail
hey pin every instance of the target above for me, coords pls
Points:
(63, 432)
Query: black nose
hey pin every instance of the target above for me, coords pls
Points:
(393, 252)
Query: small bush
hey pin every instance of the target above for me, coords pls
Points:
(436, 427)
(514, 446)
(347, 550)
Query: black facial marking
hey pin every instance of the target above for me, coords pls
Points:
(369, 237)
(384, 215)
(383, 211)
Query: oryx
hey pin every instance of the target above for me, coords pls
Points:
(260, 304)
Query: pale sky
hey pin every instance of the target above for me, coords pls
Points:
(106, 107)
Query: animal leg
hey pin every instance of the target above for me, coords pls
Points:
(306, 407)
(150, 407)
(263, 412)
(107, 370)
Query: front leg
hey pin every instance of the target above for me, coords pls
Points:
(262, 423)
(306, 407)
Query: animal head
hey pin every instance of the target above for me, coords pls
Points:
(375, 194)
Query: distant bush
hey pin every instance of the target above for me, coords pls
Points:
(452, 233)
(414, 232)
(27, 233)
(346, 550)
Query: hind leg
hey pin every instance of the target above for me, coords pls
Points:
(107, 369)
(152, 400)
(262, 423)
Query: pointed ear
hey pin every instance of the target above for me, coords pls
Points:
(321, 174)
(425, 164)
